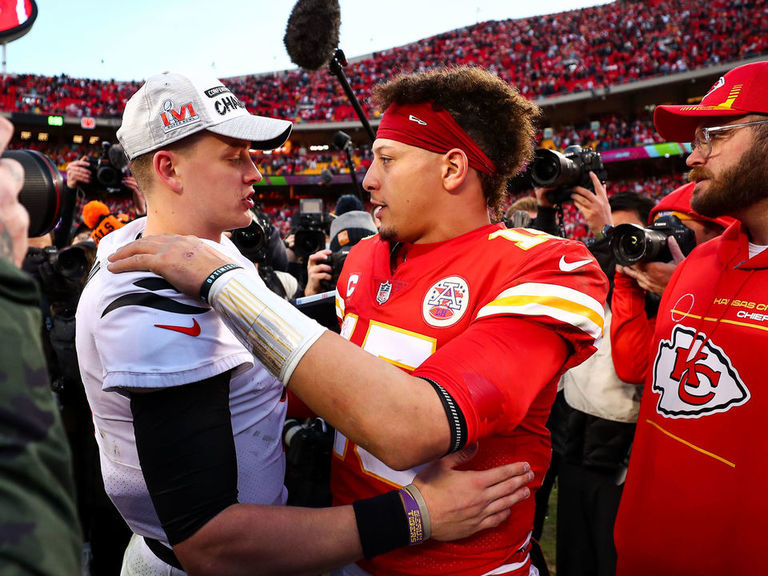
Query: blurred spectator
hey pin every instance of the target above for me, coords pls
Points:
(598, 416)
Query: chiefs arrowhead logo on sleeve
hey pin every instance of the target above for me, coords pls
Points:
(695, 377)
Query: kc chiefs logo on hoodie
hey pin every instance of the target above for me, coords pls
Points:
(695, 377)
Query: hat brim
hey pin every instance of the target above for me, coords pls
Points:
(679, 123)
(264, 133)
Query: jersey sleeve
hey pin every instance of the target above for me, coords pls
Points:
(558, 284)
(496, 370)
(631, 331)
(150, 336)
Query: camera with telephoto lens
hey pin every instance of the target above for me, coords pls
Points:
(43, 193)
(563, 171)
(313, 225)
(631, 243)
(109, 168)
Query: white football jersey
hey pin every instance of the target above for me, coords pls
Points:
(134, 330)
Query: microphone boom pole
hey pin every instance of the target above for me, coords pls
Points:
(338, 60)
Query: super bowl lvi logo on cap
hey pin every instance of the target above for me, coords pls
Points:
(173, 119)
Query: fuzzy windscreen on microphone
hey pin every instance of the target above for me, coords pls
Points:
(312, 32)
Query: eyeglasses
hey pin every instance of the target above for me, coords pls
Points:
(703, 137)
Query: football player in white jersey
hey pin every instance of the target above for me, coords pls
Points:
(188, 425)
(477, 321)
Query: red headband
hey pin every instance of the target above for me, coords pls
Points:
(422, 126)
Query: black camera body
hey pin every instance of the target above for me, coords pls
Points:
(253, 240)
(313, 225)
(563, 171)
(336, 261)
(108, 169)
(631, 243)
(308, 445)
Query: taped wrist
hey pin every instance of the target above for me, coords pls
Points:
(275, 332)
(382, 523)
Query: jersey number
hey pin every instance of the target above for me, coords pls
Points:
(523, 238)
(404, 349)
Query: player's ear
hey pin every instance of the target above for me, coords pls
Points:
(455, 168)
(164, 164)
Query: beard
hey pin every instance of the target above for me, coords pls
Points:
(736, 189)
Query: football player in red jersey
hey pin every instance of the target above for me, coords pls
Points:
(454, 329)
(692, 503)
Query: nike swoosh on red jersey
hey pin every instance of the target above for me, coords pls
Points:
(571, 266)
(193, 330)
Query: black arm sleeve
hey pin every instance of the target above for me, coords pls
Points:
(187, 453)
(455, 416)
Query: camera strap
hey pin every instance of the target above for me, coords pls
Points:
(560, 219)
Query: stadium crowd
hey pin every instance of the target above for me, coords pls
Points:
(568, 52)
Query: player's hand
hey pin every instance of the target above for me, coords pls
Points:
(14, 219)
(78, 172)
(185, 261)
(462, 502)
(594, 206)
(317, 271)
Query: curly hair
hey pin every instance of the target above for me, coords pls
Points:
(494, 114)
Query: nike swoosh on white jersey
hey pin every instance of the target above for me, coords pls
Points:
(571, 266)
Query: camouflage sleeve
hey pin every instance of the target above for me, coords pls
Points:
(39, 529)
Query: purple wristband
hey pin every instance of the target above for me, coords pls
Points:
(413, 514)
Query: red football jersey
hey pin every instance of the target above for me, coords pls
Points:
(693, 502)
(460, 291)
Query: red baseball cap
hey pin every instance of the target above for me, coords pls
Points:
(678, 203)
(741, 91)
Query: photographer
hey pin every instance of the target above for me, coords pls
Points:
(632, 327)
(598, 415)
(100, 178)
(324, 266)
(41, 534)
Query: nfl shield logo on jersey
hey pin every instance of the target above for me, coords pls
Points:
(695, 377)
(385, 289)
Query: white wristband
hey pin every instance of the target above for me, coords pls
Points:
(274, 330)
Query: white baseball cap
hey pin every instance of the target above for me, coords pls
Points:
(169, 107)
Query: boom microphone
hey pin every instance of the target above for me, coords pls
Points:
(312, 32)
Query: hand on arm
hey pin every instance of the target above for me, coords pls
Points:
(251, 539)
(185, 261)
